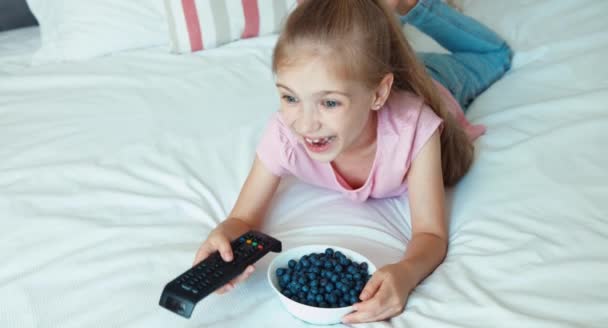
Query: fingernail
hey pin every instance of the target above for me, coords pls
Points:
(250, 269)
(363, 296)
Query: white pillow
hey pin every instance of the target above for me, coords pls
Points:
(83, 29)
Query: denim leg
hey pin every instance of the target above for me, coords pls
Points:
(478, 56)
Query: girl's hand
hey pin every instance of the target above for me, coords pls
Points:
(219, 240)
(384, 296)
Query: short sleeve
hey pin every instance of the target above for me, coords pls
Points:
(428, 123)
(271, 147)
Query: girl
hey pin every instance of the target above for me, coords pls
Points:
(360, 114)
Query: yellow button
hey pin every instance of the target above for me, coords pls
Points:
(248, 241)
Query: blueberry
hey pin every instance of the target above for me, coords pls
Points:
(319, 298)
(351, 269)
(280, 272)
(329, 251)
(291, 264)
(331, 298)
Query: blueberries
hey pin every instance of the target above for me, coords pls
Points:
(326, 280)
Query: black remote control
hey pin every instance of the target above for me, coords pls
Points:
(182, 293)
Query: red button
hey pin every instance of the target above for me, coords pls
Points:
(260, 246)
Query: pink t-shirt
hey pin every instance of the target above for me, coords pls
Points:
(405, 124)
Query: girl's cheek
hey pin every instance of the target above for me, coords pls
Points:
(287, 116)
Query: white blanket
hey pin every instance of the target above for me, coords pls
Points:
(113, 170)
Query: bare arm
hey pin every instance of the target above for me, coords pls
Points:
(428, 246)
(248, 212)
(255, 196)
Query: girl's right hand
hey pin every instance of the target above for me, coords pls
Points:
(219, 240)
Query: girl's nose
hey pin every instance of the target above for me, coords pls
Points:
(307, 121)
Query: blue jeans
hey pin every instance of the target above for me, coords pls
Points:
(478, 56)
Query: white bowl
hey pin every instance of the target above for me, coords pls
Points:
(311, 314)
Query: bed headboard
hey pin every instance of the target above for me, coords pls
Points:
(14, 14)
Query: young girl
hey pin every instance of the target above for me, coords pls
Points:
(360, 114)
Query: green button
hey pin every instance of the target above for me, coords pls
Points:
(255, 243)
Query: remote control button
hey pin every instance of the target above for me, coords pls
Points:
(248, 241)
(260, 246)
(195, 291)
(186, 287)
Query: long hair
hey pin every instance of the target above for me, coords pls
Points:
(364, 41)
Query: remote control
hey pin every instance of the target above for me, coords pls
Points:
(182, 293)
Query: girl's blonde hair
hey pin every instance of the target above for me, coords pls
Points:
(364, 42)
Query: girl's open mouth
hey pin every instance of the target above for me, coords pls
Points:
(318, 145)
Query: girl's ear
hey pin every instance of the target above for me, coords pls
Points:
(383, 91)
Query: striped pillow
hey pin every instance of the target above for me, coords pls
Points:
(204, 24)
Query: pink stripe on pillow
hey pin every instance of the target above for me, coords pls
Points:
(252, 18)
(194, 27)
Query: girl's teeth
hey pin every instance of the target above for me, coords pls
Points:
(319, 140)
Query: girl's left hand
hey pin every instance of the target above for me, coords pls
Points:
(384, 296)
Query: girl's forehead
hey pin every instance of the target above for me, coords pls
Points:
(315, 72)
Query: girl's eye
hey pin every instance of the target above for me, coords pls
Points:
(289, 99)
(331, 103)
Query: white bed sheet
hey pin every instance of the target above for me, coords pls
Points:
(113, 170)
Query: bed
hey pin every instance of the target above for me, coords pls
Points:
(114, 169)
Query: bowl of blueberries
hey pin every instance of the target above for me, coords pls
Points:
(319, 283)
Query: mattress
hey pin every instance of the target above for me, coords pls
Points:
(114, 170)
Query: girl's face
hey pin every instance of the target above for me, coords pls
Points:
(329, 116)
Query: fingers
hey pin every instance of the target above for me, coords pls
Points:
(223, 246)
(240, 278)
(220, 244)
(371, 287)
(202, 253)
(374, 309)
